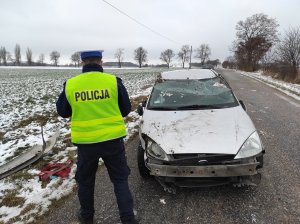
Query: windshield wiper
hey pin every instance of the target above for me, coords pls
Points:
(199, 106)
(162, 108)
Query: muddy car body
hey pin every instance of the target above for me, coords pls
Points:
(194, 132)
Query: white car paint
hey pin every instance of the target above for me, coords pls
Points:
(198, 131)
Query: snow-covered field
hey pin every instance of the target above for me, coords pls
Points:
(28, 99)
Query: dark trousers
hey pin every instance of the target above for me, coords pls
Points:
(113, 154)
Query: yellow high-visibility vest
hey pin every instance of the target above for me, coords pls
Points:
(96, 116)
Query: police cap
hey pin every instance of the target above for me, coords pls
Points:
(91, 54)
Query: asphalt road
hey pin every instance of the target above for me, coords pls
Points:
(275, 200)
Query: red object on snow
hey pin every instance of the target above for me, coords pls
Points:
(55, 169)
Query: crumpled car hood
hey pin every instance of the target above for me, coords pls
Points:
(198, 131)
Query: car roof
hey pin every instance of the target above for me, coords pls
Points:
(189, 74)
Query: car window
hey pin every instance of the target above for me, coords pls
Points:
(191, 94)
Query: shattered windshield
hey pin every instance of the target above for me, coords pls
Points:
(191, 94)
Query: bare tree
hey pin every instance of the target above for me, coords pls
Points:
(119, 56)
(18, 54)
(76, 58)
(3, 54)
(230, 62)
(269, 59)
(41, 59)
(54, 56)
(166, 56)
(255, 36)
(140, 55)
(9, 58)
(183, 54)
(203, 53)
(289, 49)
(213, 63)
(29, 56)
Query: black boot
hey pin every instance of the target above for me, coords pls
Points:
(132, 221)
(83, 220)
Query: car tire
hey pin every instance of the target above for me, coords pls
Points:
(143, 170)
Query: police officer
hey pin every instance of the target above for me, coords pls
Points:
(97, 102)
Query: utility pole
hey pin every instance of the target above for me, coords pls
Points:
(191, 57)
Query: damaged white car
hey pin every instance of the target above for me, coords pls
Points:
(194, 132)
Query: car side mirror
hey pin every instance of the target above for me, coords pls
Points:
(140, 108)
(243, 105)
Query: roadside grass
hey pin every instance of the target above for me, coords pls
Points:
(47, 97)
(11, 199)
(40, 219)
(129, 119)
(23, 123)
(28, 208)
(277, 86)
(58, 183)
(135, 101)
(30, 100)
(67, 140)
(2, 135)
(57, 149)
(23, 213)
(72, 155)
(282, 87)
(22, 175)
(25, 218)
(41, 119)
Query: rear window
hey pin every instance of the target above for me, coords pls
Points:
(191, 94)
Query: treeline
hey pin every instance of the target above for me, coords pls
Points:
(6, 58)
(140, 55)
(167, 56)
(258, 46)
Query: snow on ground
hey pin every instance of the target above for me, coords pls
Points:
(290, 89)
(28, 99)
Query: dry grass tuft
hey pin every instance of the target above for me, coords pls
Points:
(11, 199)
(129, 119)
(135, 102)
(42, 119)
(72, 155)
(28, 208)
(21, 175)
(2, 135)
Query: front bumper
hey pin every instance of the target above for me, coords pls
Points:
(203, 171)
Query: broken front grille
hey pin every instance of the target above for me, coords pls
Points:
(202, 159)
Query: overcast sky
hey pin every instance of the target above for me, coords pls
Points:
(74, 25)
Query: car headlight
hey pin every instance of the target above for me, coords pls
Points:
(156, 151)
(251, 147)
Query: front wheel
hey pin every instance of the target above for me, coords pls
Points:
(144, 172)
